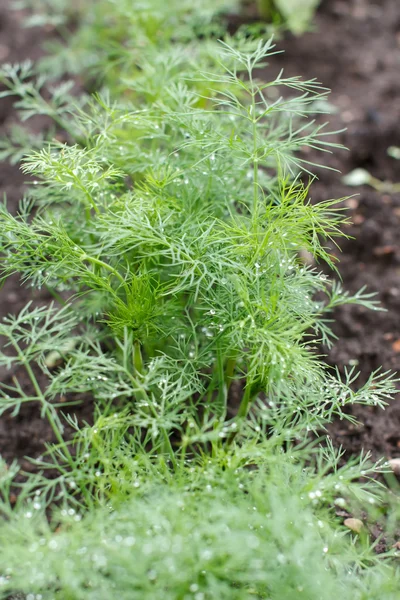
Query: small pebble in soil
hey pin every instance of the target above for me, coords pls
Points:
(354, 524)
(395, 466)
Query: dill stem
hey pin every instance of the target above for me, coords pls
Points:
(245, 403)
(137, 358)
(255, 149)
(40, 396)
(225, 375)
(166, 445)
(242, 412)
(229, 371)
(222, 389)
(137, 361)
(100, 263)
(56, 295)
(80, 186)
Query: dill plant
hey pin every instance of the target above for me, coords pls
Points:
(196, 265)
(296, 15)
(169, 230)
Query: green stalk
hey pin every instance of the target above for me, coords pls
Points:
(221, 403)
(40, 396)
(87, 194)
(245, 403)
(229, 371)
(99, 263)
(138, 366)
(225, 376)
(137, 358)
(55, 295)
(243, 411)
(255, 148)
(166, 445)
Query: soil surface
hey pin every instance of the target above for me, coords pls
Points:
(354, 49)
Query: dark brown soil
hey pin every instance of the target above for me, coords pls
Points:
(355, 50)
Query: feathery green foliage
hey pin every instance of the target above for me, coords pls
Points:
(169, 228)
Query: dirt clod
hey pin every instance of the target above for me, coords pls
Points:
(354, 524)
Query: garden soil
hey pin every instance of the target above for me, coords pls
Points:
(354, 49)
